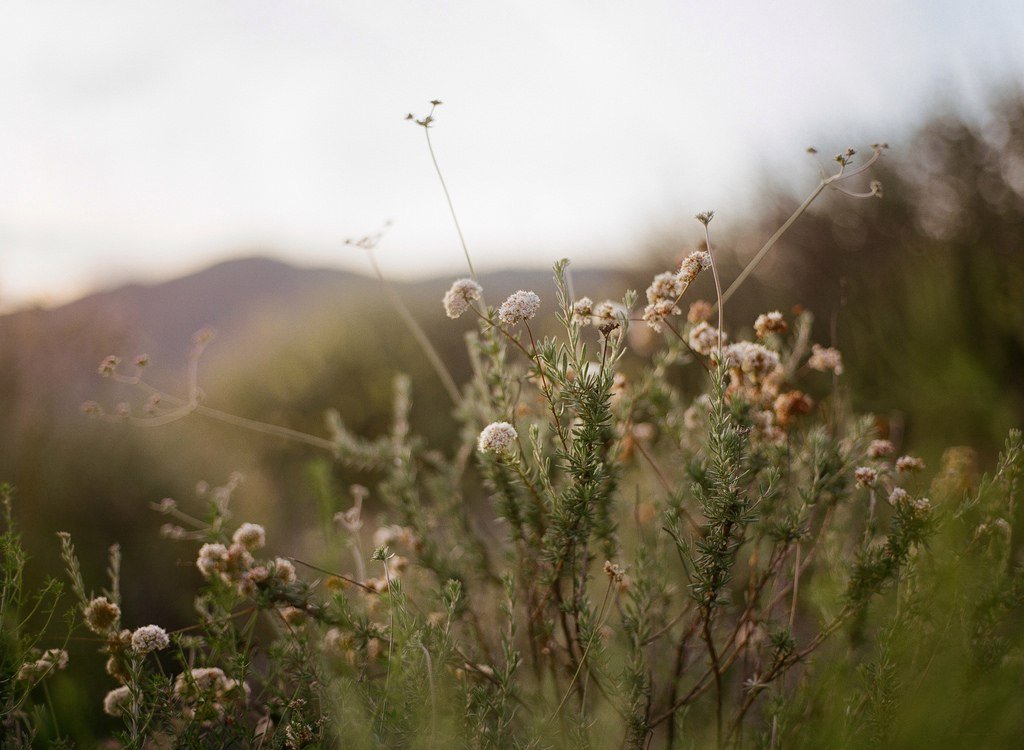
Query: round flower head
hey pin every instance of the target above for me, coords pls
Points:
(519, 307)
(284, 570)
(149, 638)
(909, 463)
(250, 535)
(213, 558)
(866, 476)
(666, 286)
(497, 437)
(703, 338)
(880, 448)
(826, 359)
(583, 311)
(699, 312)
(101, 615)
(693, 264)
(457, 298)
(116, 700)
(769, 323)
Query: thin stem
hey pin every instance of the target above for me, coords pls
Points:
(448, 197)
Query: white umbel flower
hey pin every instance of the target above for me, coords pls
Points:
(250, 535)
(497, 437)
(457, 298)
(149, 638)
(518, 307)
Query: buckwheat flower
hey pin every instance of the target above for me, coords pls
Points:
(172, 531)
(142, 360)
(519, 307)
(457, 298)
(497, 437)
(703, 338)
(753, 360)
(101, 615)
(769, 323)
(250, 535)
(609, 312)
(898, 496)
(51, 660)
(614, 571)
(699, 312)
(880, 448)
(149, 638)
(152, 404)
(166, 505)
(108, 365)
(213, 558)
(693, 264)
(790, 404)
(582, 311)
(922, 505)
(666, 286)
(284, 570)
(116, 701)
(657, 312)
(866, 476)
(826, 359)
(909, 463)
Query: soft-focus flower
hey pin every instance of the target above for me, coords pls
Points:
(250, 535)
(909, 463)
(693, 264)
(115, 702)
(497, 437)
(699, 312)
(519, 307)
(865, 476)
(826, 359)
(213, 558)
(769, 323)
(880, 448)
(101, 615)
(703, 338)
(457, 298)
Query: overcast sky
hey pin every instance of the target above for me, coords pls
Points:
(140, 140)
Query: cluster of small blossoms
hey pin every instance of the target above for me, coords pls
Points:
(881, 448)
(583, 311)
(235, 564)
(665, 290)
(149, 638)
(518, 308)
(699, 312)
(497, 438)
(909, 464)
(51, 660)
(101, 615)
(117, 701)
(617, 575)
(703, 338)
(791, 404)
(458, 298)
(825, 359)
(769, 323)
(865, 476)
(206, 692)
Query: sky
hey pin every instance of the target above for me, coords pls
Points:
(142, 140)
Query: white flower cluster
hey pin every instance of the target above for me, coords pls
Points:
(703, 339)
(497, 437)
(101, 615)
(457, 298)
(665, 290)
(767, 323)
(826, 359)
(149, 638)
(116, 701)
(250, 535)
(51, 660)
(756, 362)
(519, 307)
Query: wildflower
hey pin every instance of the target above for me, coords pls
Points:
(284, 570)
(898, 496)
(173, 531)
(658, 311)
(123, 410)
(699, 312)
(790, 404)
(769, 323)
(457, 298)
(51, 660)
(880, 448)
(142, 360)
(876, 188)
(497, 437)
(582, 311)
(250, 535)
(753, 360)
(922, 505)
(909, 463)
(519, 307)
(614, 571)
(213, 558)
(101, 615)
(693, 264)
(108, 365)
(149, 638)
(666, 286)
(703, 338)
(152, 403)
(866, 476)
(826, 359)
(115, 702)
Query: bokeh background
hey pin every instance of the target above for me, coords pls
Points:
(171, 166)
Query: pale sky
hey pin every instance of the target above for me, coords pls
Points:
(140, 140)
